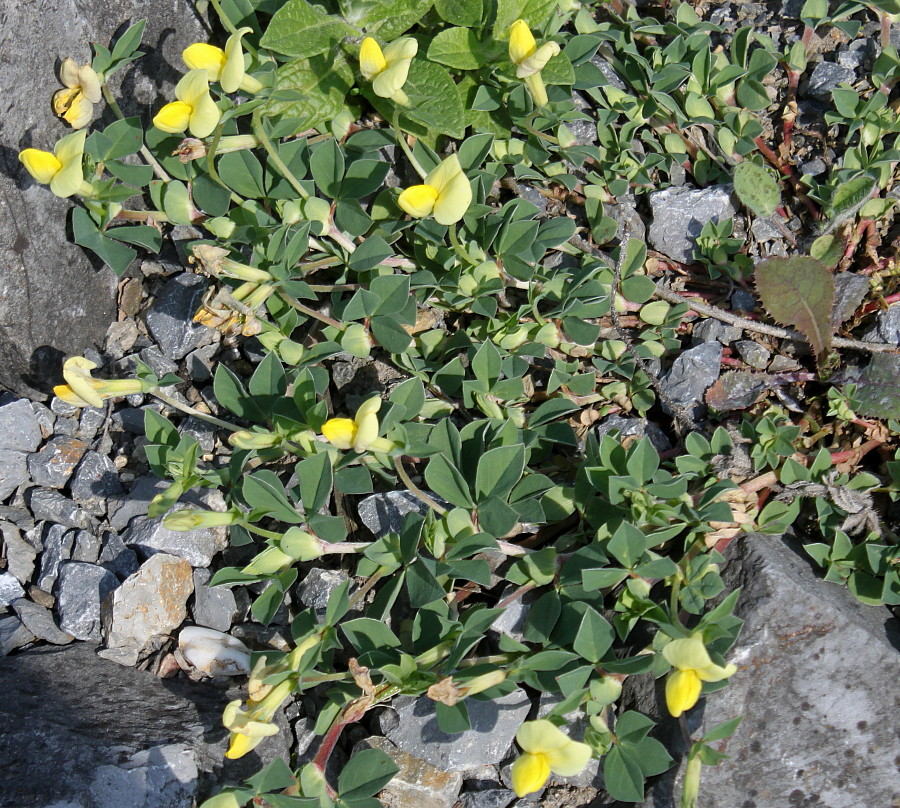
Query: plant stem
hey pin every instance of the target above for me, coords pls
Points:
(260, 132)
(142, 216)
(401, 142)
(322, 318)
(145, 152)
(461, 251)
(373, 579)
(401, 472)
(188, 410)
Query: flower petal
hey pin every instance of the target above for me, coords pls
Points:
(77, 373)
(80, 112)
(67, 394)
(193, 85)
(205, 116)
(371, 59)
(453, 201)
(42, 165)
(233, 71)
(716, 673)
(541, 736)
(67, 181)
(441, 175)
(68, 73)
(389, 81)
(202, 56)
(369, 407)
(521, 42)
(90, 84)
(529, 773)
(682, 691)
(538, 60)
(569, 760)
(173, 118)
(62, 99)
(418, 200)
(340, 432)
(366, 432)
(400, 49)
(687, 653)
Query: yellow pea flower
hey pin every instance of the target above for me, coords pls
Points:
(224, 66)
(388, 69)
(545, 749)
(62, 168)
(692, 666)
(82, 390)
(75, 104)
(359, 433)
(530, 59)
(446, 193)
(194, 109)
(249, 727)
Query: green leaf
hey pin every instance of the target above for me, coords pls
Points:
(116, 255)
(486, 363)
(327, 167)
(363, 177)
(498, 471)
(878, 392)
(118, 140)
(434, 99)
(230, 393)
(263, 491)
(756, 188)
(753, 95)
(456, 47)
(595, 636)
(460, 12)
(390, 334)
(389, 18)
(850, 196)
(299, 29)
(141, 234)
(366, 634)
(643, 461)
(452, 720)
(243, 173)
(542, 617)
(365, 774)
(534, 12)
(799, 292)
(128, 42)
(314, 475)
(322, 83)
(274, 777)
(422, 586)
(448, 482)
(623, 778)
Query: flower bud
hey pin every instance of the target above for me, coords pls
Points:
(300, 545)
(245, 439)
(190, 519)
(269, 562)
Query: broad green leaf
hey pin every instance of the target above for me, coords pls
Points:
(456, 47)
(499, 470)
(622, 775)
(321, 84)
(265, 492)
(314, 475)
(327, 167)
(387, 19)
(115, 254)
(300, 29)
(756, 188)
(434, 99)
(446, 481)
(460, 12)
(119, 139)
(595, 636)
(879, 390)
(534, 12)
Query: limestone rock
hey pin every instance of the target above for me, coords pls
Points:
(80, 590)
(679, 215)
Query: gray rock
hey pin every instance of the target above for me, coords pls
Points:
(56, 297)
(13, 635)
(121, 336)
(214, 606)
(628, 220)
(200, 362)
(149, 604)
(137, 501)
(80, 590)
(95, 482)
(742, 301)
(412, 725)
(159, 777)
(790, 9)
(45, 418)
(679, 215)
(91, 421)
(117, 557)
(531, 194)
(39, 621)
(712, 330)
(13, 471)
(58, 543)
(639, 427)
(849, 292)
(60, 407)
(20, 555)
(826, 76)
(51, 506)
(10, 589)
(70, 717)
(201, 431)
(753, 353)
(887, 327)
(384, 513)
(19, 427)
(814, 167)
(512, 621)
(52, 466)
(609, 74)
(417, 784)
(781, 363)
(487, 798)
(764, 230)
(315, 589)
(737, 390)
(148, 536)
(692, 372)
(170, 316)
(130, 419)
(87, 547)
(816, 686)
(158, 363)
(67, 426)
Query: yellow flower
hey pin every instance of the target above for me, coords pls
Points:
(530, 59)
(446, 193)
(62, 169)
(692, 666)
(75, 104)
(388, 70)
(194, 109)
(249, 727)
(359, 433)
(546, 749)
(224, 66)
(81, 390)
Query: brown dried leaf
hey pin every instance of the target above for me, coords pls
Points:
(799, 292)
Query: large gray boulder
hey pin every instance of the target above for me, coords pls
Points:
(816, 686)
(55, 299)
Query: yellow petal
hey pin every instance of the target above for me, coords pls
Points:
(62, 99)
(201, 56)
(454, 200)
(67, 394)
(569, 760)
(173, 118)
(529, 773)
(240, 745)
(80, 112)
(716, 673)
(205, 116)
(340, 432)
(521, 42)
(541, 736)
(682, 691)
(68, 73)
(42, 165)
(77, 373)
(389, 82)
(687, 653)
(418, 200)
(441, 175)
(367, 431)
(369, 407)
(400, 49)
(371, 59)
(69, 150)
(89, 82)
(233, 71)
(193, 85)
(538, 60)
